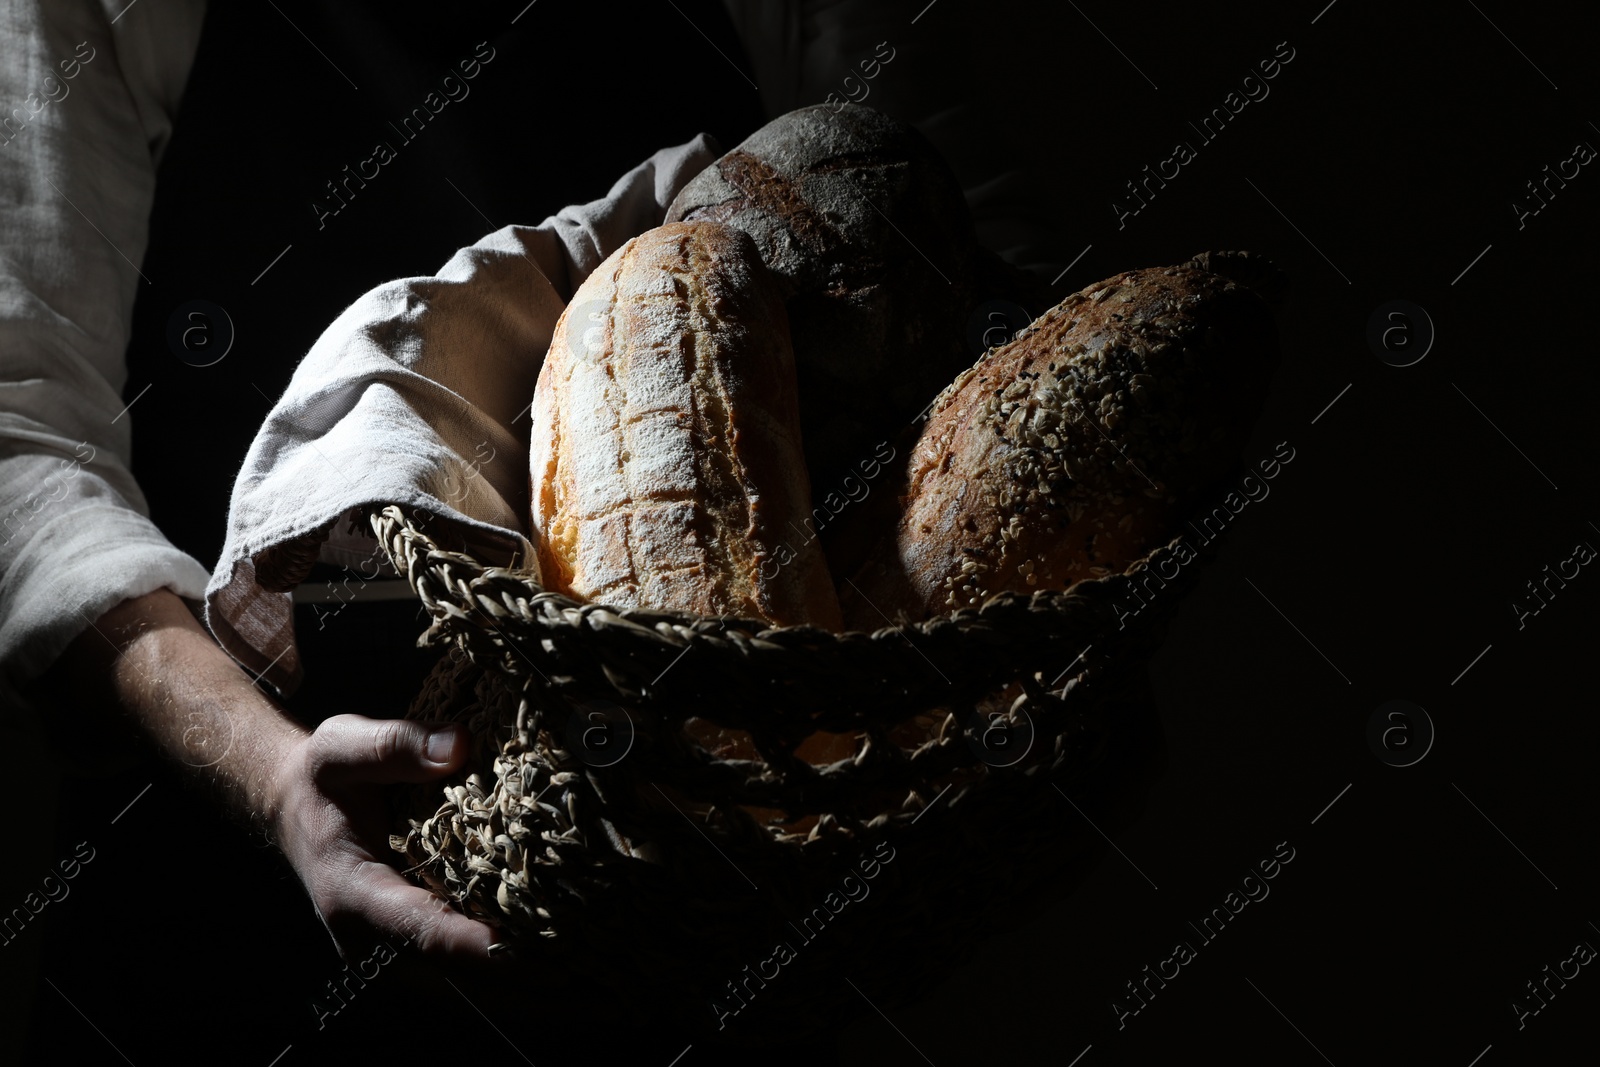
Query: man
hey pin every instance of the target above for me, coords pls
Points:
(99, 604)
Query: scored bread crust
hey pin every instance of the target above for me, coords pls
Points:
(1071, 451)
(665, 463)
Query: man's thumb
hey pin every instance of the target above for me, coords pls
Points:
(353, 748)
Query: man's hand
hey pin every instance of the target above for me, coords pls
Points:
(329, 817)
(319, 795)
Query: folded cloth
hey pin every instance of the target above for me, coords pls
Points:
(418, 395)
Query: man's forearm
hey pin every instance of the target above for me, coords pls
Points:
(152, 658)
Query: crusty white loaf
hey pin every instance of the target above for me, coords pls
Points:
(666, 464)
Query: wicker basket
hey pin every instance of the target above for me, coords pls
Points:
(607, 844)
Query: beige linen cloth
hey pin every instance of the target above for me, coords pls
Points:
(418, 395)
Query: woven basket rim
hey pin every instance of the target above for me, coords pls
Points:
(419, 555)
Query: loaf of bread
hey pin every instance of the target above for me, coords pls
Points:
(1073, 450)
(868, 232)
(666, 462)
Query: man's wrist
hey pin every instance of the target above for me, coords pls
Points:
(151, 657)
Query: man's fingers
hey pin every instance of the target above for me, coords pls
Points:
(359, 897)
(353, 748)
(379, 899)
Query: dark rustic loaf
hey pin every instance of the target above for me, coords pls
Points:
(1072, 451)
(868, 232)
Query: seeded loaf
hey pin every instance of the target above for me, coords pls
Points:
(1073, 450)
(868, 233)
(665, 459)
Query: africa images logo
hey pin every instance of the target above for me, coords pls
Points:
(451, 89)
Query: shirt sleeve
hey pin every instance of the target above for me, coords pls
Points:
(88, 92)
